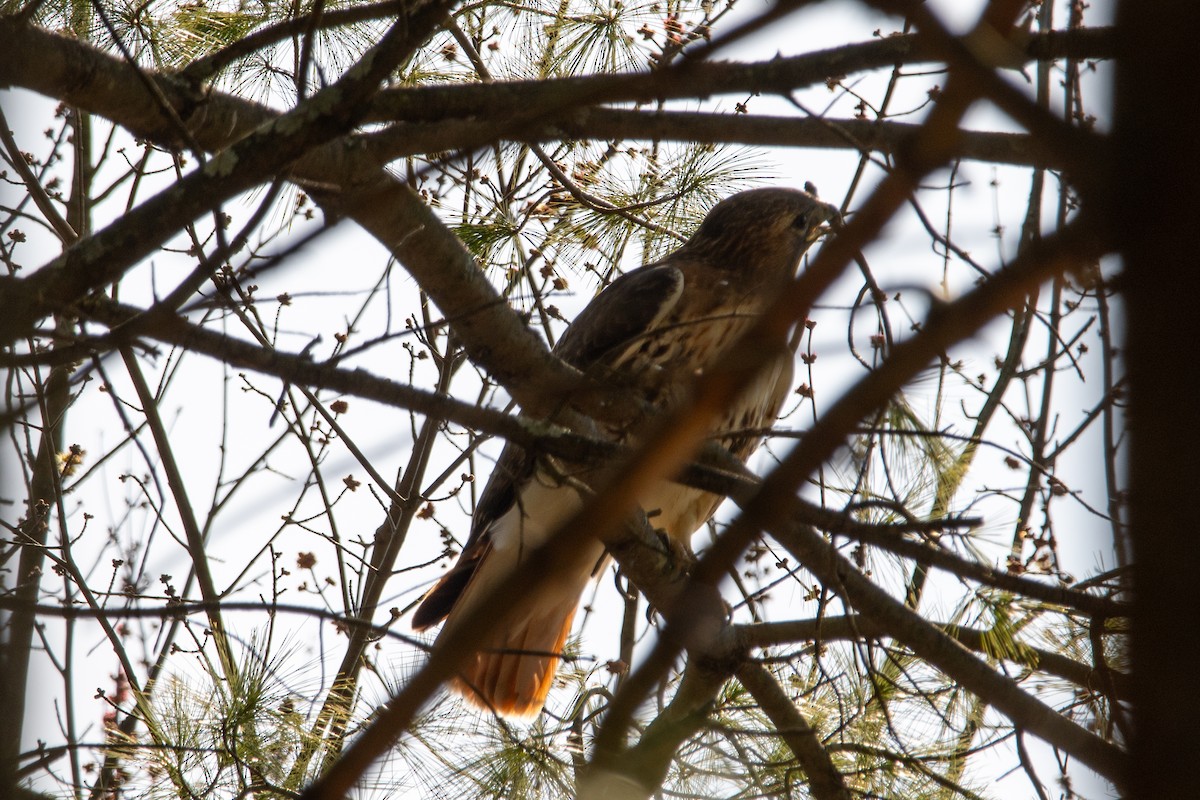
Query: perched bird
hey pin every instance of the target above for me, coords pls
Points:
(653, 330)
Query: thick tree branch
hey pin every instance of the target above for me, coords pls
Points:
(822, 133)
(770, 508)
(941, 651)
(701, 79)
(1152, 212)
(824, 779)
(100, 259)
(408, 139)
(930, 555)
(81, 75)
(858, 627)
(349, 181)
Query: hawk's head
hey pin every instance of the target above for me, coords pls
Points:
(761, 231)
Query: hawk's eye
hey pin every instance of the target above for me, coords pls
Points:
(801, 220)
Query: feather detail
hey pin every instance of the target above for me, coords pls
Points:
(514, 665)
(651, 332)
(512, 677)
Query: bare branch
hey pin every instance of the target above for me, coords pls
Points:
(99, 259)
(824, 779)
(854, 627)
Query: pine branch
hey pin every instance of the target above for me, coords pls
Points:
(824, 780)
(768, 634)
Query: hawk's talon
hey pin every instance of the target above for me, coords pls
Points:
(680, 558)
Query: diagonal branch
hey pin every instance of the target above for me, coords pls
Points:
(771, 507)
(102, 258)
(941, 651)
(717, 387)
(1085, 676)
(354, 185)
(194, 536)
(824, 779)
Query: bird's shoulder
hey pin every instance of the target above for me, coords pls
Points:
(624, 311)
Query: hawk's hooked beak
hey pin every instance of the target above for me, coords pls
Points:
(831, 220)
(830, 214)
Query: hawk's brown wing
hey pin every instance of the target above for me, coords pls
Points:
(621, 314)
(625, 311)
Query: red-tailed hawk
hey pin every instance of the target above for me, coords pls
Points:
(653, 329)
